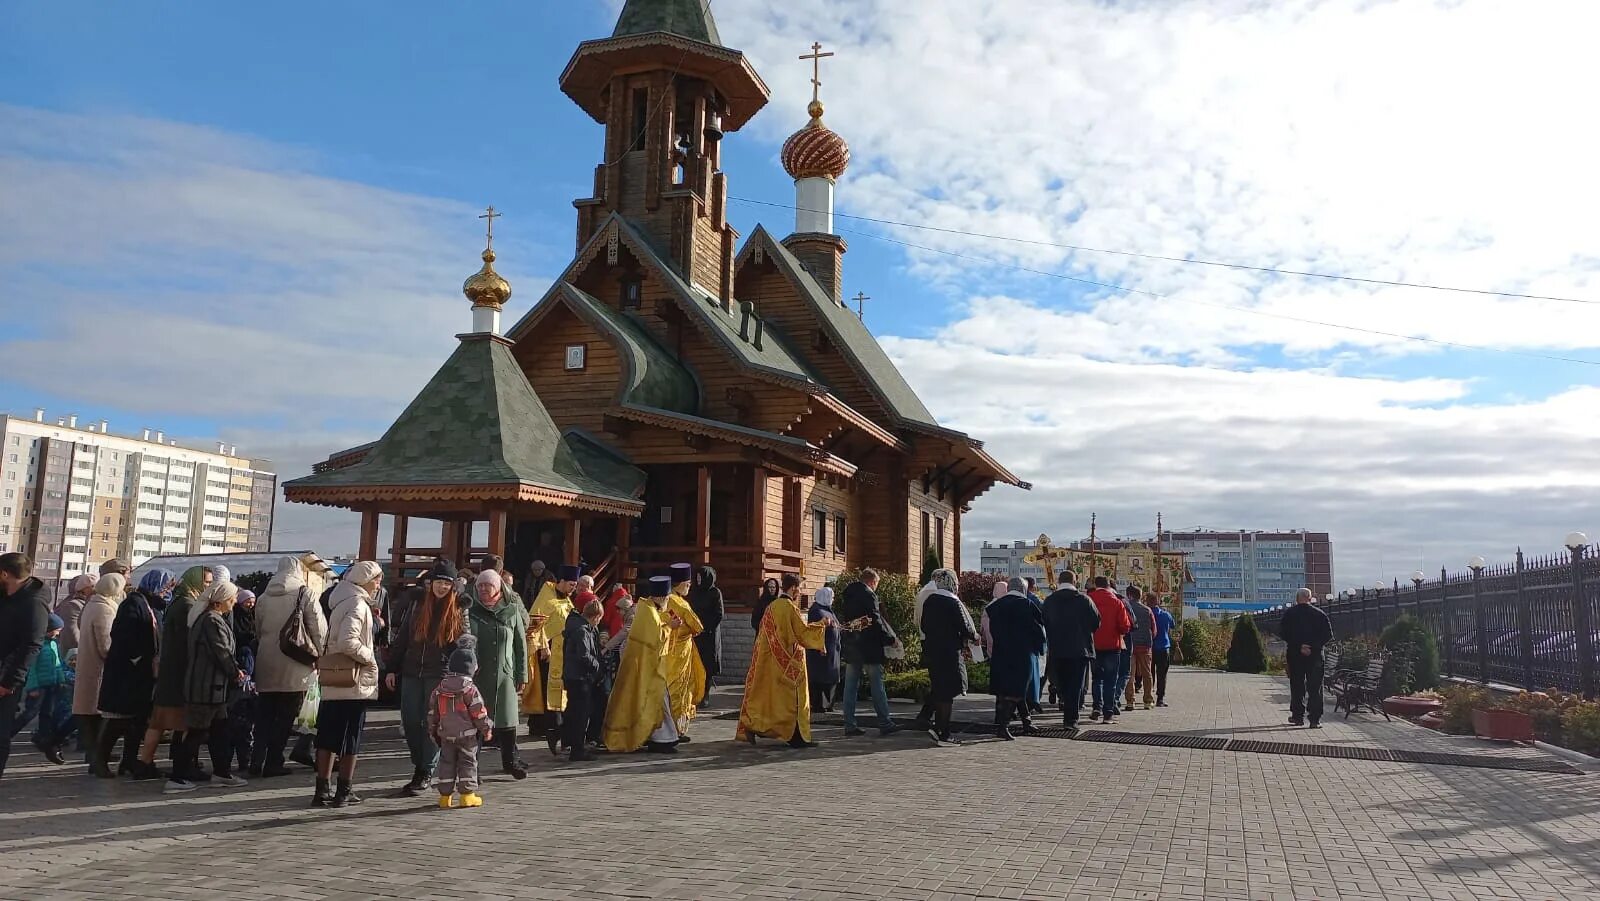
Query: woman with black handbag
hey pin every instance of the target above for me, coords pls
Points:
(289, 621)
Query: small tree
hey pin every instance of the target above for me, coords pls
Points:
(1413, 655)
(1247, 653)
(256, 582)
(930, 562)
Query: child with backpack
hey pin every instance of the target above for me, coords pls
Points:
(457, 721)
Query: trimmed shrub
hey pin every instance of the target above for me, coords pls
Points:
(1459, 702)
(978, 678)
(1413, 656)
(909, 684)
(1246, 653)
(930, 562)
(1580, 727)
(1203, 644)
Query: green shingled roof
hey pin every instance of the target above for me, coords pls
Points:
(850, 334)
(655, 379)
(689, 18)
(478, 421)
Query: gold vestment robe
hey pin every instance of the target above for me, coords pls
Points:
(539, 696)
(777, 697)
(635, 709)
(686, 673)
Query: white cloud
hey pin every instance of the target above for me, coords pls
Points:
(1395, 469)
(1409, 139)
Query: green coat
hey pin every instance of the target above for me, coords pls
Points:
(502, 634)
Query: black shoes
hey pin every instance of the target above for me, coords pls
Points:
(322, 795)
(1296, 721)
(855, 731)
(516, 769)
(661, 747)
(421, 780)
(345, 795)
(1315, 724)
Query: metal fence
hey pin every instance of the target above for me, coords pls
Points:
(1534, 623)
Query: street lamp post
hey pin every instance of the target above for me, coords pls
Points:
(1417, 578)
(1476, 564)
(1377, 614)
(1447, 616)
(1577, 543)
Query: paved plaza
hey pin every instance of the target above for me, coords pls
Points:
(861, 818)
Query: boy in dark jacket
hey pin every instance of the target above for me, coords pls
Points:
(582, 673)
(1305, 629)
(457, 720)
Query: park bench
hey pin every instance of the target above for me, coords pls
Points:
(1358, 689)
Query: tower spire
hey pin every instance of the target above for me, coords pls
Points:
(815, 157)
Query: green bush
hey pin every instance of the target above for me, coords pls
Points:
(909, 684)
(1459, 702)
(256, 582)
(1246, 653)
(1580, 727)
(930, 562)
(978, 678)
(1203, 644)
(1413, 656)
(897, 600)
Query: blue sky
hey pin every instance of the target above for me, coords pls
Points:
(280, 200)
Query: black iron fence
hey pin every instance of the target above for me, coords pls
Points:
(1533, 623)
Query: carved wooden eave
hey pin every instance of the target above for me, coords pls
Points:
(793, 448)
(824, 402)
(367, 497)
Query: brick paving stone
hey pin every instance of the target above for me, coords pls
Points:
(867, 818)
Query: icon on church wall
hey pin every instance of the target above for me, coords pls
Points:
(575, 356)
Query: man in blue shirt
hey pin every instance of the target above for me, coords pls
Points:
(1162, 649)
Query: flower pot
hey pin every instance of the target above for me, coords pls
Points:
(1409, 707)
(1502, 725)
(1434, 720)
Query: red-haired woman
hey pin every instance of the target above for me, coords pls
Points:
(418, 652)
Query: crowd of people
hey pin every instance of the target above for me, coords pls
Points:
(469, 659)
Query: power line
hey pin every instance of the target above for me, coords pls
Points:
(1222, 306)
(1392, 283)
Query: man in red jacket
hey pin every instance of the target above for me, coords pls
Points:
(1114, 624)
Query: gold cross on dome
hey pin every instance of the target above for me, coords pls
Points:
(816, 56)
(490, 215)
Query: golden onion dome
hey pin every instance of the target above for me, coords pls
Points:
(815, 151)
(486, 288)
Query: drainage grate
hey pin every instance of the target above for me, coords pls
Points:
(1492, 762)
(1157, 739)
(1343, 752)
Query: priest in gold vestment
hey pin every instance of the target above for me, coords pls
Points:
(686, 673)
(544, 694)
(777, 698)
(639, 711)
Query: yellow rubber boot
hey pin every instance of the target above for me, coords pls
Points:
(447, 801)
(471, 799)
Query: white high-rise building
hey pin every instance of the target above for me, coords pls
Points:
(73, 496)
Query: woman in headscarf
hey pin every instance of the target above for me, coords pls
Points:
(169, 714)
(214, 674)
(822, 667)
(947, 634)
(501, 627)
(705, 599)
(349, 675)
(611, 621)
(418, 651)
(70, 608)
(94, 643)
(128, 679)
(769, 593)
(220, 573)
(282, 681)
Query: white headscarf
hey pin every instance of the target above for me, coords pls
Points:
(218, 592)
(113, 587)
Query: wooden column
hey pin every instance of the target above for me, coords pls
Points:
(758, 509)
(397, 548)
(955, 553)
(497, 532)
(447, 542)
(570, 550)
(702, 515)
(464, 542)
(369, 535)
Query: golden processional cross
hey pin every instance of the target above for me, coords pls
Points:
(816, 56)
(1047, 557)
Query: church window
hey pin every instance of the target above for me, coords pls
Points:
(925, 536)
(838, 535)
(577, 355)
(632, 294)
(819, 529)
(641, 118)
(938, 532)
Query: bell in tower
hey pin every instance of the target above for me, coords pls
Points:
(666, 91)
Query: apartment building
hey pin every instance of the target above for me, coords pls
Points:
(74, 495)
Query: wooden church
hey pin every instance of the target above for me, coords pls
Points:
(676, 395)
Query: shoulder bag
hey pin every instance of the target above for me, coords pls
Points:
(293, 639)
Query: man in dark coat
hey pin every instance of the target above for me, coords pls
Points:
(1070, 621)
(705, 599)
(24, 619)
(866, 634)
(1016, 634)
(581, 674)
(1305, 629)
